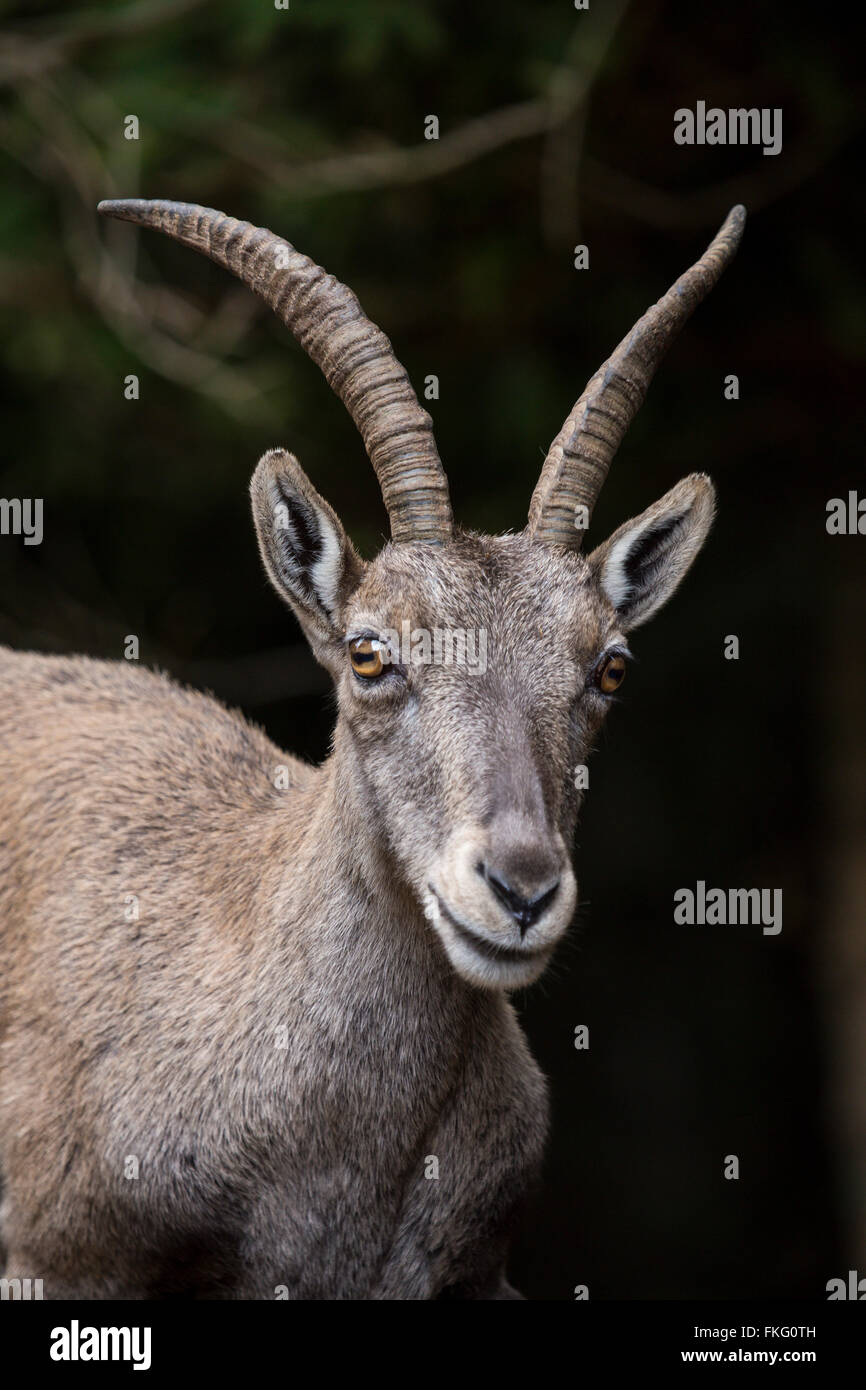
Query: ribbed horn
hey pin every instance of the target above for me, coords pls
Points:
(354, 355)
(578, 460)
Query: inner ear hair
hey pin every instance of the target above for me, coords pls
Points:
(307, 554)
(644, 557)
(643, 562)
(308, 550)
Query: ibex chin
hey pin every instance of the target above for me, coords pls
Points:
(293, 1070)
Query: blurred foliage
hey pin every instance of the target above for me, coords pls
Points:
(556, 129)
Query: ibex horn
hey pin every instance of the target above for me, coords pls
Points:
(580, 456)
(354, 355)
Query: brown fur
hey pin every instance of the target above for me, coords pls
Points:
(300, 1166)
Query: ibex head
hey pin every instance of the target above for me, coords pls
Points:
(466, 752)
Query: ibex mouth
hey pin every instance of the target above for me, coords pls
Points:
(490, 949)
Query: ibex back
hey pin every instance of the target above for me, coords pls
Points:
(256, 1040)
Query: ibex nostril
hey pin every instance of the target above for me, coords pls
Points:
(525, 911)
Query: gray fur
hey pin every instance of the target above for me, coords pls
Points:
(312, 915)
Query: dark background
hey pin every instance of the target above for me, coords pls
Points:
(556, 128)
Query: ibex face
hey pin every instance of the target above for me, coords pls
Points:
(467, 764)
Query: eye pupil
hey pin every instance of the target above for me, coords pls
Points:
(610, 674)
(366, 658)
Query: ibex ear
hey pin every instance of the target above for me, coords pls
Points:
(643, 562)
(310, 560)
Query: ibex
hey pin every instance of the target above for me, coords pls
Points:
(293, 1070)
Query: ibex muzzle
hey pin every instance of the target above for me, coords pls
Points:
(292, 1070)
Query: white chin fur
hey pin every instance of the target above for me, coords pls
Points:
(474, 966)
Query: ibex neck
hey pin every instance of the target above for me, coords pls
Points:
(351, 854)
(364, 927)
(349, 809)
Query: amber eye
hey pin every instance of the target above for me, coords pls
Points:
(366, 657)
(609, 673)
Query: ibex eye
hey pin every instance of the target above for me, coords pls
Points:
(609, 673)
(366, 657)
